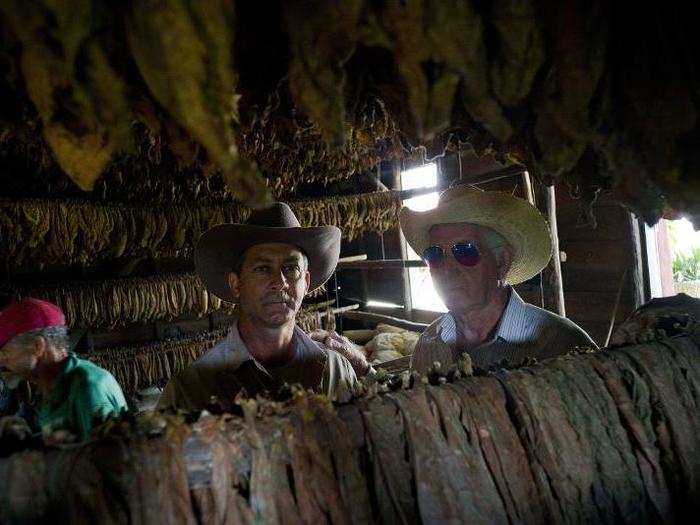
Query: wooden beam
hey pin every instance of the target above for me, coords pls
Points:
(342, 310)
(529, 194)
(352, 258)
(511, 171)
(386, 319)
(380, 264)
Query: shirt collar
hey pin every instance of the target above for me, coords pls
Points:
(514, 311)
(238, 353)
(58, 391)
(448, 329)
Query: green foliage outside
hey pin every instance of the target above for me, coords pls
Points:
(687, 267)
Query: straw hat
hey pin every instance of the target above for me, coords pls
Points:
(220, 249)
(520, 223)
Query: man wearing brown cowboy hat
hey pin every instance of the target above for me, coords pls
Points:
(265, 266)
(477, 245)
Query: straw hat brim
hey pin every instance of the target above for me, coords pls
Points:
(520, 223)
(220, 249)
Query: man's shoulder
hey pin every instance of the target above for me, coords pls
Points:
(216, 353)
(209, 362)
(94, 384)
(192, 386)
(437, 325)
(86, 373)
(560, 328)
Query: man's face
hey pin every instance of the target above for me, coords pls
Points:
(272, 283)
(461, 287)
(18, 360)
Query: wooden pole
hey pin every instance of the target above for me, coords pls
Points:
(529, 194)
(353, 258)
(342, 310)
(556, 259)
(405, 277)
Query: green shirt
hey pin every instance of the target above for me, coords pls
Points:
(83, 392)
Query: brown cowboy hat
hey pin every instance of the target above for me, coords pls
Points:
(220, 249)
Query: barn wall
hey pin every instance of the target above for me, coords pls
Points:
(596, 262)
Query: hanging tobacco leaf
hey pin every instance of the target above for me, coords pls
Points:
(184, 51)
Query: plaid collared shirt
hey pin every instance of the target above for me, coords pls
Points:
(523, 331)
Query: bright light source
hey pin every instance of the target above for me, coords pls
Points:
(423, 294)
(683, 237)
(421, 177)
(383, 304)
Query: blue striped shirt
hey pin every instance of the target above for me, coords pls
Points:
(523, 331)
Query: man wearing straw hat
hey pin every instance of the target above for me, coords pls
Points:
(265, 266)
(477, 245)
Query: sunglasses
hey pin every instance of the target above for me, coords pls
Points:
(465, 253)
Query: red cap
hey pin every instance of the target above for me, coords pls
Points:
(26, 315)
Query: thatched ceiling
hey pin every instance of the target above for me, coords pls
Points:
(272, 94)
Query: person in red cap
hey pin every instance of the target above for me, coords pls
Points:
(73, 392)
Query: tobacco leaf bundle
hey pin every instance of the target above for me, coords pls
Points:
(124, 301)
(353, 214)
(519, 50)
(79, 96)
(118, 302)
(184, 51)
(36, 231)
(71, 231)
(567, 109)
(322, 37)
(606, 437)
(292, 152)
(141, 366)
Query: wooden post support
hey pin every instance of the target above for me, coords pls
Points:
(341, 310)
(405, 277)
(556, 259)
(527, 183)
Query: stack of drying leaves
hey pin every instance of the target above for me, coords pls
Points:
(69, 232)
(603, 437)
(114, 302)
(140, 366)
(118, 302)
(577, 94)
(46, 231)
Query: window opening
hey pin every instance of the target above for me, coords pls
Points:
(423, 293)
(673, 257)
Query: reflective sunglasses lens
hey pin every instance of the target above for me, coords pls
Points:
(433, 256)
(466, 254)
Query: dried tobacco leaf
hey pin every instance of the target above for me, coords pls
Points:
(322, 37)
(579, 33)
(78, 95)
(520, 50)
(184, 53)
(458, 36)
